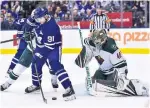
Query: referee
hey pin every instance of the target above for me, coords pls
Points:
(99, 21)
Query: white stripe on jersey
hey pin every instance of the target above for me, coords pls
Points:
(48, 64)
(36, 75)
(61, 74)
(59, 71)
(48, 44)
(64, 79)
(60, 53)
(13, 62)
(49, 47)
(117, 64)
(40, 46)
(35, 80)
(31, 24)
(16, 59)
(19, 32)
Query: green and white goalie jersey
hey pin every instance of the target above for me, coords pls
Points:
(108, 56)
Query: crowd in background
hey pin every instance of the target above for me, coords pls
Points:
(74, 10)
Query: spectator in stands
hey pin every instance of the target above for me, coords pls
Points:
(106, 5)
(63, 7)
(4, 5)
(58, 13)
(66, 17)
(28, 6)
(8, 23)
(68, 4)
(82, 14)
(138, 22)
(3, 25)
(88, 15)
(50, 9)
(116, 6)
(57, 18)
(127, 5)
(17, 7)
(80, 4)
(76, 15)
(81, 10)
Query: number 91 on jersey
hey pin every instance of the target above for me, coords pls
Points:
(50, 38)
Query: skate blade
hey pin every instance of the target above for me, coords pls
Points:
(70, 98)
(34, 92)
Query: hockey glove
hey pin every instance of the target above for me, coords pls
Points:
(28, 36)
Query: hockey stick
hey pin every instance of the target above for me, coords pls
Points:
(31, 45)
(10, 40)
(89, 80)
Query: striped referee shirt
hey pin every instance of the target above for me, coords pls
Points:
(99, 22)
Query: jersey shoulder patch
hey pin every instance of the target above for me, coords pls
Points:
(110, 46)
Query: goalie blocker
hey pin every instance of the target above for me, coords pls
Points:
(112, 73)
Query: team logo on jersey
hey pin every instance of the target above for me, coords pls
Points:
(99, 59)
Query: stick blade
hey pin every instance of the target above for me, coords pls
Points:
(45, 100)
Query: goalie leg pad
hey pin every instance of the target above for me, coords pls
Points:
(137, 88)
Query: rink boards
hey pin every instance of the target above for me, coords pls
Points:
(130, 41)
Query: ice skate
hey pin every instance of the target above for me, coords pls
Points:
(32, 88)
(69, 95)
(5, 86)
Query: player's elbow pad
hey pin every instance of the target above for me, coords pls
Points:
(81, 59)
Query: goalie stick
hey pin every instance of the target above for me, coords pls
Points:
(88, 77)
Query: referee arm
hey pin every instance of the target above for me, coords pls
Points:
(107, 23)
(92, 24)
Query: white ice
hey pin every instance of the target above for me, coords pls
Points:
(15, 96)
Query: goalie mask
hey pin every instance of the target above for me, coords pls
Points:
(99, 36)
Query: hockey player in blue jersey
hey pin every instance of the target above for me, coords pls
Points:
(24, 55)
(50, 48)
(18, 23)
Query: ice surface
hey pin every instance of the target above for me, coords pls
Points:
(15, 96)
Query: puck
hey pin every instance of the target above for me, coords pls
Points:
(54, 98)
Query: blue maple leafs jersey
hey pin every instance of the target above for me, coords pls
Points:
(49, 33)
(19, 25)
